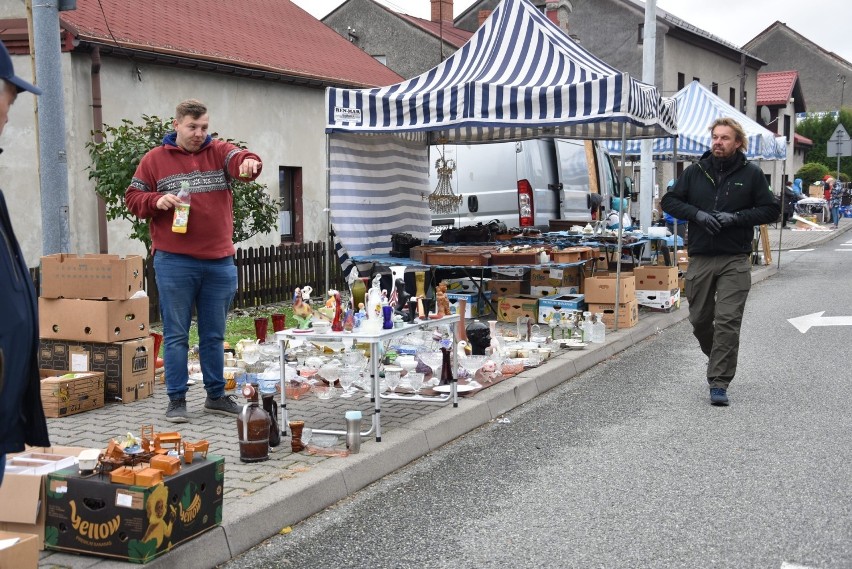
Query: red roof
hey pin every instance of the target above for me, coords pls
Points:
(802, 140)
(454, 36)
(270, 35)
(776, 88)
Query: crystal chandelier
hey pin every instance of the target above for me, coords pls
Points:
(443, 200)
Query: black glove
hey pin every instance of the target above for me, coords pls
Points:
(725, 219)
(710, 224)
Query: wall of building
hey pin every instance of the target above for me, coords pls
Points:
(283, 124)
(409, 50)
(784, 50)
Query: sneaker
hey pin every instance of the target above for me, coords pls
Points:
(190, 382)
(176, 413)
(718, 396)
(225, 405)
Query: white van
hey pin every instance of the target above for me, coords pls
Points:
(525, 184)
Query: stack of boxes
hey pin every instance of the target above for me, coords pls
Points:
(657, 288)
(93, 316)
(601, 293)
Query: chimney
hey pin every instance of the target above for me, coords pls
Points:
(552, 15)
(442, 10)
(482, 16)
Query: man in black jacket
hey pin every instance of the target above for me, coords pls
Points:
(21, 414)
(723, 196)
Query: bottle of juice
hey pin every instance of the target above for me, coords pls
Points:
(181, 219)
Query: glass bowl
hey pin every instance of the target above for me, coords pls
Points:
(296, 391)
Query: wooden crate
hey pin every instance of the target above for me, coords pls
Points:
(515, 258)
(457, 258)
(63, 395)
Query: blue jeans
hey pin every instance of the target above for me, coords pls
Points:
(208, 285)
(835, 214)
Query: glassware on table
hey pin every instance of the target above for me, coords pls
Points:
(415, 380)
(347, 378)
(330, 372)
(250, 354)
(433, 360)
(261, 327)
(472, 365)
(392, 377)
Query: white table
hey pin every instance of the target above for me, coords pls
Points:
(374, 339)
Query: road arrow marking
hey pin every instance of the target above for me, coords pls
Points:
(805, 323)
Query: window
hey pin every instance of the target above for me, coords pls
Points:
(787, 128)
(696, 79)
(681, 81)
(715, 88)
(640, 35)
(732, 97)
(383, 59)
(745, 102)
(290, 204)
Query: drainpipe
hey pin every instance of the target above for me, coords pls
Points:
(97, 127)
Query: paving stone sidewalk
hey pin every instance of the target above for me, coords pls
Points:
(262, 498)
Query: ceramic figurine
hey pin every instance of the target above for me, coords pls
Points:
(479, 337)
(337, 323)
(302, 310)
(442, 302)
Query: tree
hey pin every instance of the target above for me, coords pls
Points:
(810, 173)
(819, 129)
(115, 160)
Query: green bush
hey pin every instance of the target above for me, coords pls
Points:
(115, 160)
(810, 173)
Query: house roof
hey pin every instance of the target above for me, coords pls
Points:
(778, 25)
(800, 140)
(776, 88)
(454, 36)
(267, 35)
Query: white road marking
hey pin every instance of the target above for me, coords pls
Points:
(801, 250)
(808, 321)
(786, 565)
(843, 249)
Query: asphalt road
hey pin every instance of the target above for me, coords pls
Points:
(628, 465)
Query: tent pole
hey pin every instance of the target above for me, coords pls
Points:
(620, 224)
(783, 205)
(329, 238)
(674, 226)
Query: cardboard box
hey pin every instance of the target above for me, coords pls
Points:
(93, 320)
(601, 289)
(94, 277)
(509, 287)
(659, 299)
(127, 521)
(128, 367)
(628, 314)
(466, 285)
(553, 277)
(23, 497)
(816, 191)
(21, 555)
(542, 291)
(472, 308)
(510, 308)
(655, 278)
(36, 462)
(550, 304)
(62, 395)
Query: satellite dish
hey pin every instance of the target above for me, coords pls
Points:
(765, 115)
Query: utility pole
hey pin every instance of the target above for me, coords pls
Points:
(53, 161)
(842, 80)
(646, 172)
(742, 82)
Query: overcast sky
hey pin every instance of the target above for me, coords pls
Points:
(736, 21)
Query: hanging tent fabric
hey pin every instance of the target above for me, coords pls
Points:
(697, 108)
(518, 77)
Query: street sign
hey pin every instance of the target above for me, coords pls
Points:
(839, 144)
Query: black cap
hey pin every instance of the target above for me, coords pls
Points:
(7, 73)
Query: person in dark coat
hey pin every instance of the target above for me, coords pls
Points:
(790, 198)
(724, 196)
(21, 414)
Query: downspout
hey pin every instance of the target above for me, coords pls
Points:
(97, 127)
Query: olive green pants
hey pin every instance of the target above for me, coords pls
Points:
(717, 289)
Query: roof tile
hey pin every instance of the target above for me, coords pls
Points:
(776, 88)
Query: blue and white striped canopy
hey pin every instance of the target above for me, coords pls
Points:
(519, 76)
(697, 108)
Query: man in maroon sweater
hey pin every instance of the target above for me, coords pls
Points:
(194, 268)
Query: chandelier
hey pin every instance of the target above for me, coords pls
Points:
(443, 200)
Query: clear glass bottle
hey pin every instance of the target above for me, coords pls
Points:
(598, 329)
(588, 325)
(181, 218)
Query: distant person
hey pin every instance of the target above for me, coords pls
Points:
(797, 187)
(723, 196)
(195, 268)
(827, 184)
(835, 198)
(790, 198)
(22, 419)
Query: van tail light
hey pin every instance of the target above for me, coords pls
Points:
(526, 207)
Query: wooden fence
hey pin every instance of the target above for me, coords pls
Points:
(265, 275)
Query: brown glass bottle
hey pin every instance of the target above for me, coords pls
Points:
(446, 368)
(253, 428)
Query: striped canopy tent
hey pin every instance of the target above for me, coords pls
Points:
(697, 108)
(520, 76)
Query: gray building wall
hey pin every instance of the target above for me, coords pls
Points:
(784, 50)
(409, 51)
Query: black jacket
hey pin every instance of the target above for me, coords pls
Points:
(742, 189)
(21, 413)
